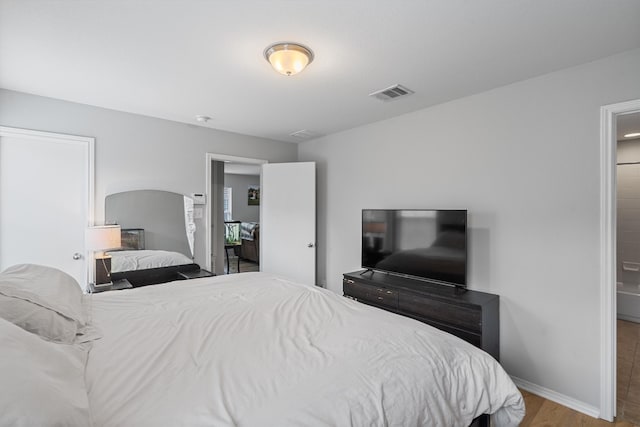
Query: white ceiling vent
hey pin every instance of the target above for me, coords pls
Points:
(304, 134)
(391, 93)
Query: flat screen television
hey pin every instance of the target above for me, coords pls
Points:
(428, 244)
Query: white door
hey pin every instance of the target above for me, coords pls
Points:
(45, 200)
(288, 220)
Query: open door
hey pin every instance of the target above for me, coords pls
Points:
(288, 221)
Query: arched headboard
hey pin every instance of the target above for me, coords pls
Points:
(164, 216)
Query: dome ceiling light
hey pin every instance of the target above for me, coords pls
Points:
(288, 58)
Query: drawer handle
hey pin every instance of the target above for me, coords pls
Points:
(349, 281)
(380, 298)
(388, 292)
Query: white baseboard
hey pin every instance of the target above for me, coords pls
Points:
(559, 398)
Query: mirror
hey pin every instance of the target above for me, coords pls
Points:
(158, 230)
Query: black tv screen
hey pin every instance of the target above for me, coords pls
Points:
(427, 244)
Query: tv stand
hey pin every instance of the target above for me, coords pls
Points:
(471, 315)
(459, 290)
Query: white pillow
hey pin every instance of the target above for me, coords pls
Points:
(39, 320)
(42, 382)
(47, 287)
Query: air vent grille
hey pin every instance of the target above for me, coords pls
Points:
(391, 93)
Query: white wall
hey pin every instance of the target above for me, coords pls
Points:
(240, 208)
(139, 152)
(524, 160)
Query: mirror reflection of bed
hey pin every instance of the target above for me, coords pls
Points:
(158, 236)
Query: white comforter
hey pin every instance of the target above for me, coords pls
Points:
(254, 349)
(145, 258)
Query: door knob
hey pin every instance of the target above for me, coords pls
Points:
(77, 256)
(309, 245)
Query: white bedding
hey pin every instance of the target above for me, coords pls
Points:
(253, 349)
(145, 258)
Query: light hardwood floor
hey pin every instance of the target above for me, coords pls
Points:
(543, 412)
(628, 375)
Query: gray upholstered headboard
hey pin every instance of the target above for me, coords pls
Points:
(160, 213)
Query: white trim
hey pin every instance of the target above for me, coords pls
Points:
(90, 173)
(608, 147)
(559, 398)
(36, 134)
(223, 158)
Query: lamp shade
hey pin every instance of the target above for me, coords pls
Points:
(103, 238)
(288, 58)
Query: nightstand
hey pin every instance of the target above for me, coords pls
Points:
(114, 286)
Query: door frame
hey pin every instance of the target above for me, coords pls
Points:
(608, 303)
(89, 143)
(223, 158)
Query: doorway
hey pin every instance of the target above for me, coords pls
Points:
(608, 276)
(221, 258)
(241, 217)
(287, 217)
(628, 266)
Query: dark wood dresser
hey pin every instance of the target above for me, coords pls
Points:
(471, 315)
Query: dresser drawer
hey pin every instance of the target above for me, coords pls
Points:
(450, 314)
(471, 315)
(355, 290)
(374, 294)
(384, 296)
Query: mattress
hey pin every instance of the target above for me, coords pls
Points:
(254, 349)
(144, 259)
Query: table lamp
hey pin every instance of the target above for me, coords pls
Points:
(100, 239)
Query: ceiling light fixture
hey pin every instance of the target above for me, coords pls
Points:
(288, 58)
(632, 135)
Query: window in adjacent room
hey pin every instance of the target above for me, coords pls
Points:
(227, 204)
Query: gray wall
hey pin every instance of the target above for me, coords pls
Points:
(524, 160)
(240, 208)
(136, 152)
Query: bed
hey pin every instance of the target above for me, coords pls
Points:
(143, 259)
(161, 224)
(149, 266)
(256, 349)
(142, 267)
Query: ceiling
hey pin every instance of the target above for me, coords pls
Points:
(177, 59)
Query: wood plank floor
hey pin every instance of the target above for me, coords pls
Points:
(628, 375)
(545, 413)
(245, 266)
